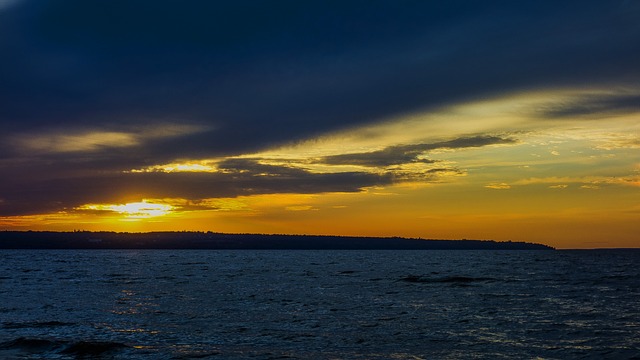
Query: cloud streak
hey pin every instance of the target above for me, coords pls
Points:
(404, 154)
(594, 106)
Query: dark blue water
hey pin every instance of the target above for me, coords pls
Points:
(162, 304)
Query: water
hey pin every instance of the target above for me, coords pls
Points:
(163, 304)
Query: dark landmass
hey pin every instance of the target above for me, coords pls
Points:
(211, 240)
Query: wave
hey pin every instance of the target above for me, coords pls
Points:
(92, 348)
(35, 324)
(446, 279)
(78, 349)
(31, 345)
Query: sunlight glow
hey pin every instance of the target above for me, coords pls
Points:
(135, 210)
(191, 166)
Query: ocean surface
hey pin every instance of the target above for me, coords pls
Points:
(164, 304)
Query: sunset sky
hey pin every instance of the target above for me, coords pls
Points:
(505, 120)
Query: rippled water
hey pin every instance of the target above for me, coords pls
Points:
(162, 304)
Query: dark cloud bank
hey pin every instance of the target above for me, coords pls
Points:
(257, 74)
(234, 177)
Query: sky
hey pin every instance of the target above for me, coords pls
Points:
(504, 120)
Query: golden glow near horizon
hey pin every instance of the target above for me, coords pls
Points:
(561, 181)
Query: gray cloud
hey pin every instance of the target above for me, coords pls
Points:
(236, 177)
(404, 154)
(253, 167)
(393, 155)
(435, 175)
(239, 177)
(64, 185)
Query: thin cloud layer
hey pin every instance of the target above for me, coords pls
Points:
(594, 106)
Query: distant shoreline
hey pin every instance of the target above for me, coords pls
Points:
(223, 241)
